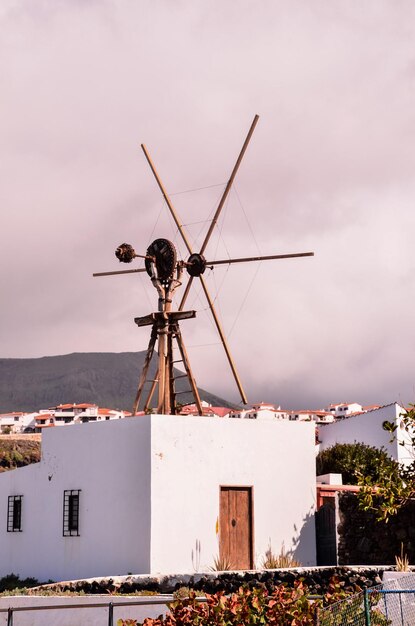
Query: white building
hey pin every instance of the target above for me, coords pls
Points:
(344, 408)
(261, 411)
(16, 422)
(65, 414)
(368, 428)
(320, 417)
(159, 494)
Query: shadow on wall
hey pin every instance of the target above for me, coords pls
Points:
(304, 540)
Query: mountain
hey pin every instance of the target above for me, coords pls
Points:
(105, 378)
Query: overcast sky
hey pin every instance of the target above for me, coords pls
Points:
(330, 169)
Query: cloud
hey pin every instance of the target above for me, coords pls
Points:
(329, 169)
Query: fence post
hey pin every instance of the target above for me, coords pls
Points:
(10, 616)
(367, 607)
(110, 614)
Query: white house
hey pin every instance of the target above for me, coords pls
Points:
(320, 417)
(261, 411)
(344, 408)
(159, 494)
(368, 428)
(69, 414)
(16, 422)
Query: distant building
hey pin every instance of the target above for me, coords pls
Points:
(261, 411)
(344, 408)
(16, 422)
(320, 417)
(60, 415)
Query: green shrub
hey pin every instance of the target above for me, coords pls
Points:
(354, 459)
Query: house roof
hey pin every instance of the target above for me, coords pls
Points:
(310, 412)
(43, 417)
(343, 404)
(221, 411)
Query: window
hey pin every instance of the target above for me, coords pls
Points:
(71, 513)
(14, 514)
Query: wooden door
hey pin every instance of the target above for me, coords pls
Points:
(235, 526)
(326, 535)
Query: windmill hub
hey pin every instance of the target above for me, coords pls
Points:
(196, 264)
(163, 253)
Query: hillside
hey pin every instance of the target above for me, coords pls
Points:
(18, 451)
(104, 378)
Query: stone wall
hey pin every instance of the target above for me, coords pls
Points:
(362, 539)
(316, 578)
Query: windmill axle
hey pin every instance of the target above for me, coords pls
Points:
(196, 264)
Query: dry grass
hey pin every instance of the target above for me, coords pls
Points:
(276, 561)
(402, 561)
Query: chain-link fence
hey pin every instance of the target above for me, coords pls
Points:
(390, 604)
(359, 609)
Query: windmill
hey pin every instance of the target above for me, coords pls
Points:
(166, 274)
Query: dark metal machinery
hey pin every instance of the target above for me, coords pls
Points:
(166, 273)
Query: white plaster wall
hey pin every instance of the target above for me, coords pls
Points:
(367, 428)
(150, 490)
(110, 463)
(193, 456)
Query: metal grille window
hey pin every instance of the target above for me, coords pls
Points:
(14, 514)
(71, 513)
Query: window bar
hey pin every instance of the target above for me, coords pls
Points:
(14, 514)
(71, 512)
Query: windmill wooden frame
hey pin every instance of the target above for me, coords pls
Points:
(166, 274)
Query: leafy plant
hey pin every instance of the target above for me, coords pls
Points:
(246, 606)
(275, 561)
(390, 491)
(402, 561)
(282, 606)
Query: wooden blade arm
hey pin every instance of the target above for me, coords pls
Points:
(224, 342)
(260, 258)
(97, 274)
(167, 199)
(186, 293)
(229, 184)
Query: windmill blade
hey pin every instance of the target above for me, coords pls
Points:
(229, 184)
(167, 199)
(224, 342)
(98, 274)
(220, 331)
(186, 293)
(260, 258)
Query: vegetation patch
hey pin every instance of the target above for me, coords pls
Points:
(18, 452)
(354, 460)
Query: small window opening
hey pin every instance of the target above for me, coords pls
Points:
(71, 513)
(14, 514)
